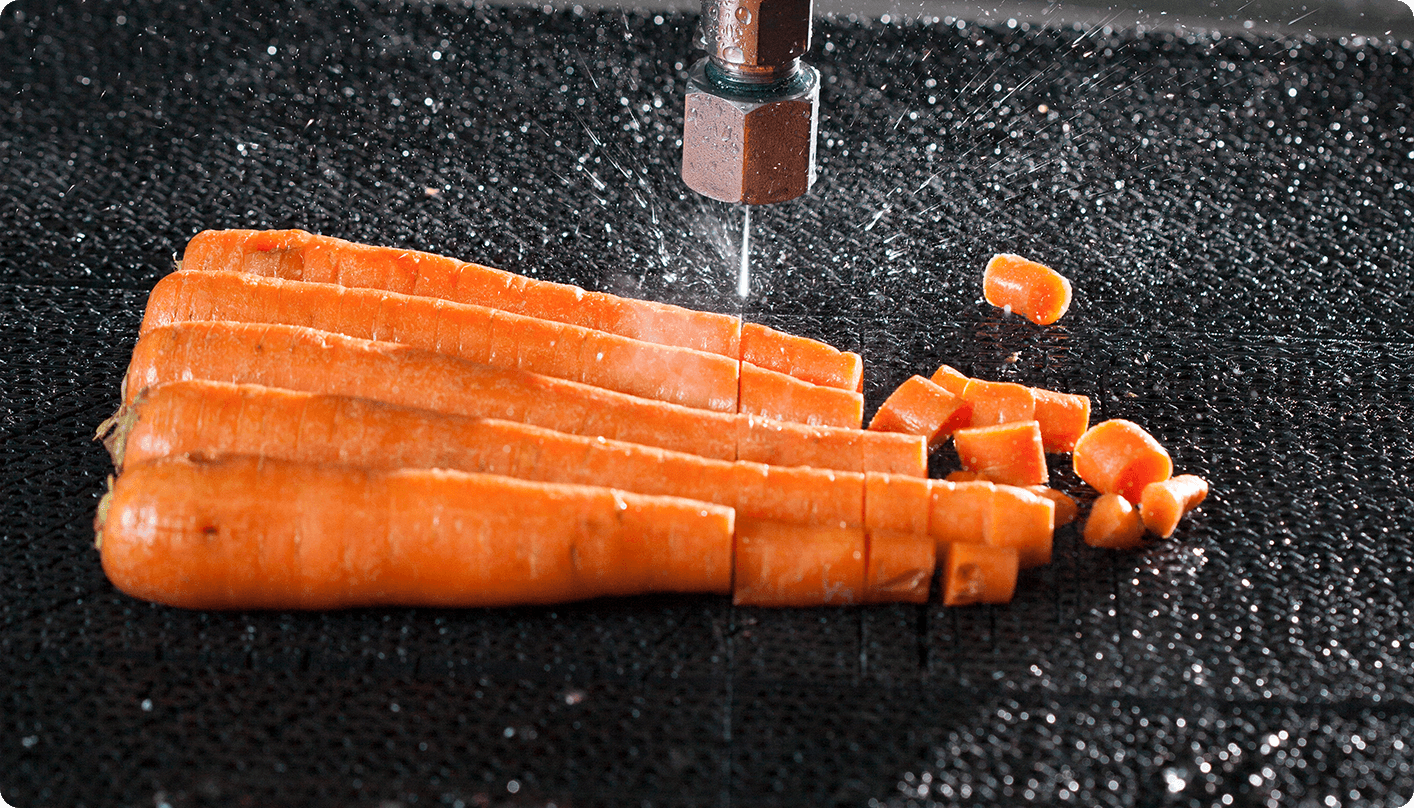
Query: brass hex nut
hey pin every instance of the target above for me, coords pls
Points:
(756, 150)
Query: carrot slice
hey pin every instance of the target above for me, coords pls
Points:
(796, 565)
(1063, 417)
(920, 407)
(999, 402)
(1023, 521)
(1164, 503)
(976, 573)
(895, 502)
(807, 359)
(1066, 508)
(964, 476)
(1113, 523)
(1007, 453)
(1119, 457)
(959, 513)
(1032, 290)
(248, 533)
(950, 379)
(777, 395)
(781, 443)
(900, 567)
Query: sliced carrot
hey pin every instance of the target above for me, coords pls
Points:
(976, 573)
(318, 362)
(964, 476)
(1066, 508)
(803, 496)
(779, 443)
(1164, 503)
(920, 407)
(475, 333)
(807, 359)
(1063, 417)
(1113, 523)
(994, 403)
(950, 379)
(786, 398)
(1119, 457)
(794, 565)
(960, 512)
(1023, 521)
(1008, 453)
(897, 503)
(900, 567)
(246, 533)
(1032, 290)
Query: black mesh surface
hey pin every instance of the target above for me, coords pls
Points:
(1235, 213)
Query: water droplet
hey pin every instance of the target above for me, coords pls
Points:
(743, 15)
(734, 55)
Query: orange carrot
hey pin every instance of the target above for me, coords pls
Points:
(1164, 503)
(964, 476)
(1066, 508)
(994, 403)
(475, 333)
(246, 533)
(786, 398)
(1032, 290)
(795, 565)
(899, 567)
(318, 362)
(297, 255)
(950, 379)
(806, 359)
(959, 513)
(976, 573)
(1008, 453)
(220, 418)
(1063, 417)
(897, 503)
(780, 443)
(1113, 523)
(920, 407)
(1119, 457)
(997, 515)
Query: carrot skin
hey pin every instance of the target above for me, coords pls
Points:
(920, 407)
(959, 513)
(1024, 522)
(1119, 457)
(769, 394)
(896, 503)
(1164, 503)
(993, 403)
(795, 565)
(950, 379)
(976, 573)
(1063, 417)
(806, 359)
(1032, 290)
(900, 567)
(246, 533)
(1114, 524)
(1009, 453)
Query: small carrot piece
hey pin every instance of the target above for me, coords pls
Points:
(900, 567)
(993, 403)
(896, 503)
(1119, 457)
(920, 407)
(781, 443)
(964, 476)
(976, 573)
(1113, 523)
(1032, 290)
(959, 513)
(248, 533)
(1008, 453)
(1066, 507)
(776, 395)
(950, 379)
(1164, 503)
(1063, 417)
(807, 359)
(1023, 521)
(318, 362)
(795, 565)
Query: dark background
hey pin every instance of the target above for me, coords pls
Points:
(1234, 210)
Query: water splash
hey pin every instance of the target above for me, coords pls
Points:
(743, 278)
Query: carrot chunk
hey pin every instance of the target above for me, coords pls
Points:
(950, 379)
(1023, 521)
(1007, 453)
(1164, 503)
(900, 567)
(1066, 509)
(960, 512)
(998, 402)
(1063, 417)
(1119, 457)
(806, 359)
(777, 395)
(781, 443)
(976, 573)
(895, 502)
(797, 565)
(1113, 523)
(1032, 290)
(920, 407)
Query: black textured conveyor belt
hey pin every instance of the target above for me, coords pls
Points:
(1235, 213)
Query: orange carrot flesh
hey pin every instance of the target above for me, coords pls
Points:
(899, 567)
(964, 476)
(1164, 503)
(896, 503)
(220, 418)
(780, 443)
(1114, 524)
(920, 407)
(1066, 508)
(1063, 417)
(1032, 290)
(770, 394)
(245, 533)
(1007, 453)
(994, 403)
(1024, 522)
(475, 333)
(796, 565)
(950, 379)
(806, 359)
(1119, 457)
(959, 513)
(976, 573)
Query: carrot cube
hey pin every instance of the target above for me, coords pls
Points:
(1007, 453)
(976, 573)
(920, 407)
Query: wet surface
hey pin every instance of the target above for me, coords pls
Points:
(1235, 214)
